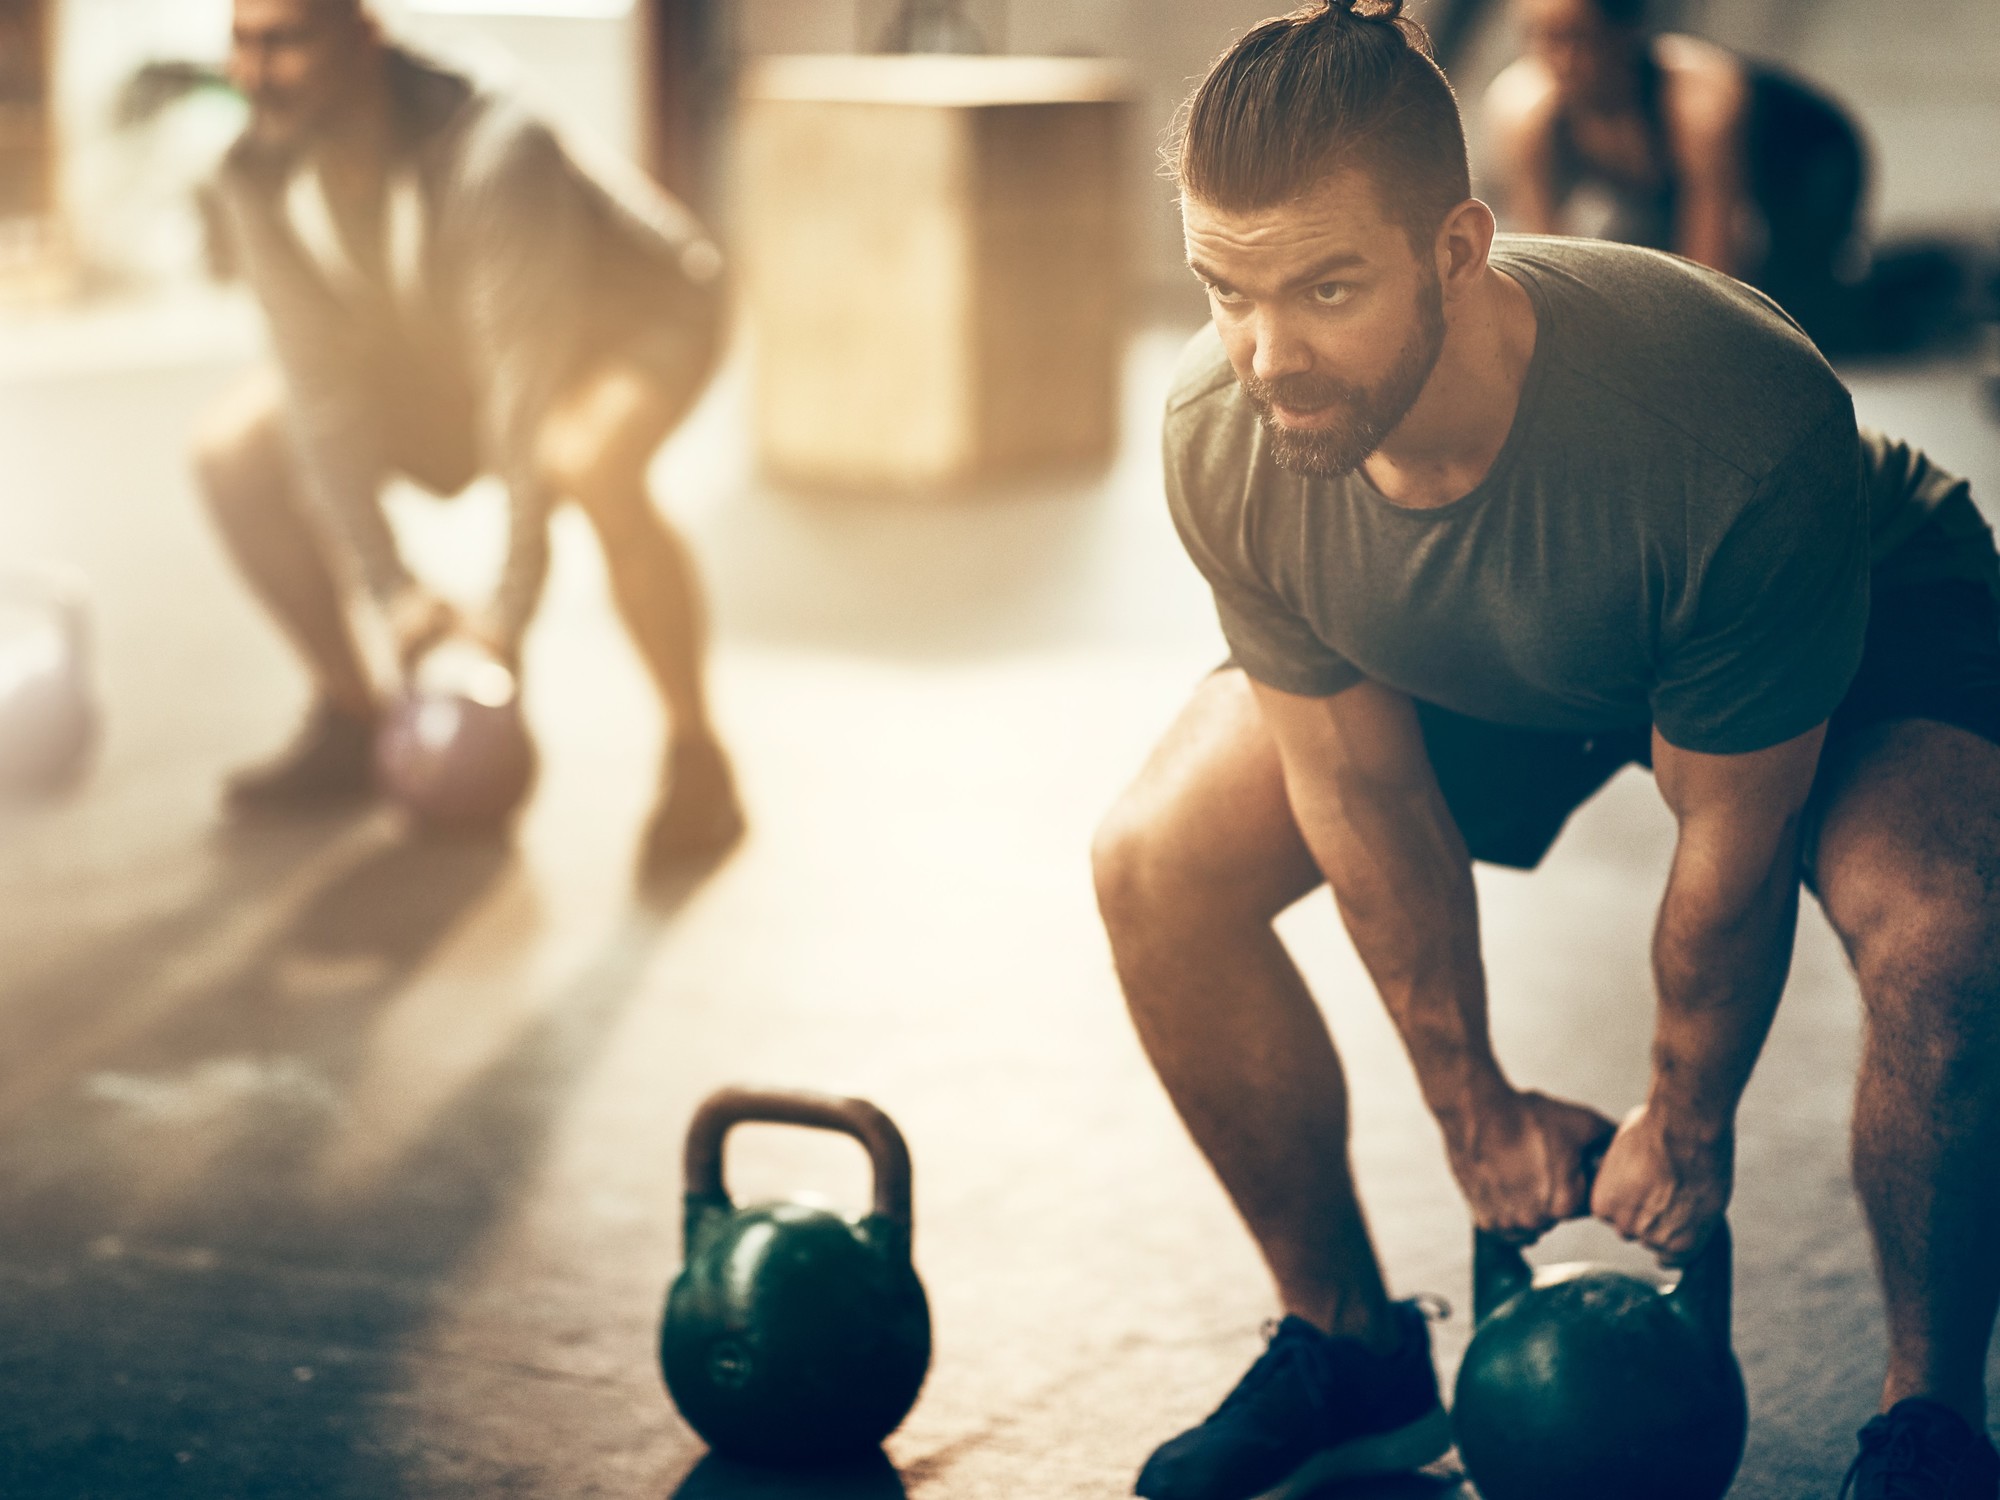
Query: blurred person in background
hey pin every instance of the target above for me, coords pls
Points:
(450, 292)
(1606, 129)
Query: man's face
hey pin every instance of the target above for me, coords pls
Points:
(1583, 52)
(1331, 320)
(296, 61)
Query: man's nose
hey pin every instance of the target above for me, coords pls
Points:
(1280, 350)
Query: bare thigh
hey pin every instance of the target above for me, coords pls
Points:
(243, 446)
(1208, 817)
(601, 434)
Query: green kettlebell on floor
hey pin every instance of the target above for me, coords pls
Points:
(795, 1335)
(1584, 1383)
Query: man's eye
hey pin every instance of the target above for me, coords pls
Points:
(1332, 293)
(1224, 295)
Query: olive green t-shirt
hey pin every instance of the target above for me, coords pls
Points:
(1680, 528)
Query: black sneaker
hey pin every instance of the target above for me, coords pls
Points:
(332, 760)
(1312, 1409)
(1919, 1450)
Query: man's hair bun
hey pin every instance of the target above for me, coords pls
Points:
(1366, 10)
(1387, 13)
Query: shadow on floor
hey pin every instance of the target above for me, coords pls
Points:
(905, 578)
(716, 1478)
(186, 1308)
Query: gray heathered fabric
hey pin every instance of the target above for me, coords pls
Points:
(531, 265)
(1680, 528)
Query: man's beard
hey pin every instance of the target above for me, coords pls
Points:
(1363, 416)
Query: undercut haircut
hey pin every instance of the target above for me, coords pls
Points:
(1339, 84)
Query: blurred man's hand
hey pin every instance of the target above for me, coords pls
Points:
(418, 621)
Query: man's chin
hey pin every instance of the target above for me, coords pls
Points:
(1322, 453)
(276, 130)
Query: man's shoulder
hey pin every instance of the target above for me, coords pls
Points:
(431, 91)
(1689, 355)
(1214, 454)
(455, 107)
(1201, 373)
(1208, 418)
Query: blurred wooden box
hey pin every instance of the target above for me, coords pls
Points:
(33, 248)
(933, 254)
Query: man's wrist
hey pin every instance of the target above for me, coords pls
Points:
(1687, 1118)
(1467, 1094)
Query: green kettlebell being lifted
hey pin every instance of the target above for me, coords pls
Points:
(795, 1335)
(1583, 1383)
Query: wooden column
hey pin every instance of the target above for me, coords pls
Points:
(33, 258)
(933, 254)
(677, 92)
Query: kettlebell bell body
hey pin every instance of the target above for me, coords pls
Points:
(453, 750)
(795, 1335)
(48, 718)
(1582, 1382)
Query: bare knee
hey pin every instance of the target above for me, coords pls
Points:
(571, 462)
(1131, 869)
(1202, 842)
(1924, 938)
(241, 452)
(595, 446)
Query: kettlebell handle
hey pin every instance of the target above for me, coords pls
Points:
(1500, 1271)
(877, 1133)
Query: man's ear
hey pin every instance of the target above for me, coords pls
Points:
(1464, 240)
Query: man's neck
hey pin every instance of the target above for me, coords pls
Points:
(1444, 447)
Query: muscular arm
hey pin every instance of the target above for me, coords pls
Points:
(519, 229)
(1720, 954)
(1370, 810)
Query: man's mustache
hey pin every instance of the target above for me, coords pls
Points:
(1300, 392)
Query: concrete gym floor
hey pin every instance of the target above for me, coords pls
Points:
(337, 1164)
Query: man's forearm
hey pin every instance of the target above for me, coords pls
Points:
(1720, 956)
(1403, 881)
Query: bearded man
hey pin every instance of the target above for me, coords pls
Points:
(1485, 520)
(450, 291)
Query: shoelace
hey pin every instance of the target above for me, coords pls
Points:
(1309, 1358)
(1281, 1354)
(1905, 1474)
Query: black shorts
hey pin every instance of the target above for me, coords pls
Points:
(1932, 652)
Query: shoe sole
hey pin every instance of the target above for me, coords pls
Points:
(1403, 1451)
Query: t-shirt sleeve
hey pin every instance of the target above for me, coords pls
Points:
(1267, 638)
(1772, 630)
